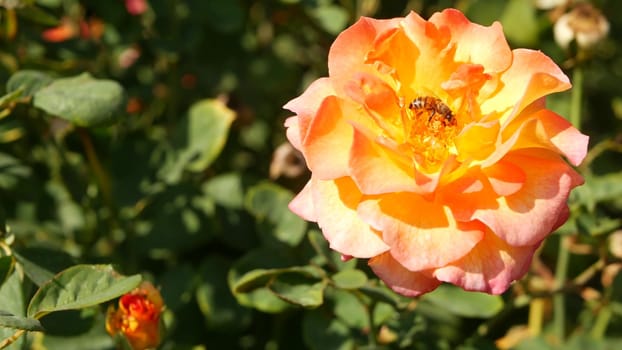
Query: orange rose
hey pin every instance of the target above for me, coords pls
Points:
(138, 317)
(432, 152)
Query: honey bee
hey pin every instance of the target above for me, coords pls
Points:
(433, 106)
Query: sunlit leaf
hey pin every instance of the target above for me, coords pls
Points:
(226, 190)
(299, 290)
(199, 138)
(28, 81)
(268, 203)
(349, 279)
(82, 100)
(462, 303)
(12, 301)
(78, 287)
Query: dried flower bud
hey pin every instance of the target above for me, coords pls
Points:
(585, 24)
(138, 317)
(286, 161)
(609, 274)
(615, 244)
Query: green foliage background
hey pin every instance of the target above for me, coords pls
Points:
(177, 186)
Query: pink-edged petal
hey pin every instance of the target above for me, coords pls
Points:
(422, 234)
(400, 279)
(326, 145)
(529, 215)
(489, 267)
(531, 76)
(554, 132)
(293, 132)
(335, 206)
(302, 205)
(505, 178)
(375, 170)
(309, 102)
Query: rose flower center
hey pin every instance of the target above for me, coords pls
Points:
(430, 127)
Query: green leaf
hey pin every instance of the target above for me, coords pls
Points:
(11, 171)
(82, 100)
(78, 287)
(349, 279)
(223, 15)
(322, 331)
(261, 277)
(297, 289)
(520, 23)
(268, 203)
(40, 264)
(37, 15)
(333, 19)
(226, 190)
(9, 320)
(6, 266)
(28, 81)
(462, 303)
(199, 139)
(350, 309)
(12, 301)
(215, 300)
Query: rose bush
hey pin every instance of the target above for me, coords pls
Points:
(432, 152)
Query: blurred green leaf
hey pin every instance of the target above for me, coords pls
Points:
(9, 320)
(321, 332)
(6, 267)
(223, 15)
(349, 279)
(333, 19)
(41, 264)
(78, 287)
(350, 309)
(82, 100)
(462, 303)
(37, 15)
(11, 171)
(298, 289)
(226, 190)
(268, 203)
(520, 24)
(199, 138)
(29, 81)
(95, 337)
(260, 277)
(220, 309)
(12, 301)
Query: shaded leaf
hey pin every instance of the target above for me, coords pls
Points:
(78, 287)
(321, 332)
(82, 100)
(226, 190)
(9, 320)
(41, 264)
(6, 266)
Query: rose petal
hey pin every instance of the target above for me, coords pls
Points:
(302, 205)
(531, 76)
(335, 206)
(401, 280)
(475, 43)
(489, 267)
(326, 145)
(422, 234)
(529, 215)
(375, 170)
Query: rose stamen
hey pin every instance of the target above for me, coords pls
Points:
(430, 128)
